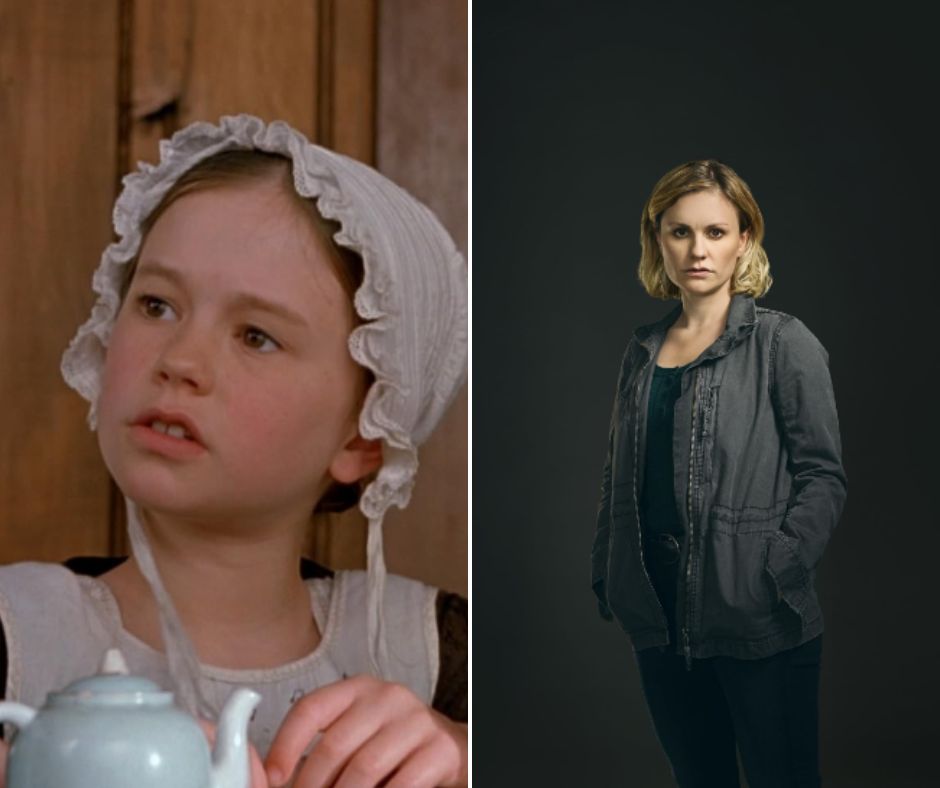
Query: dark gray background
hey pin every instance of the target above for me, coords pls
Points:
(827, 113)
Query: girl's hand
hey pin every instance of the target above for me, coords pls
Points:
(258, 778)
(369, 733)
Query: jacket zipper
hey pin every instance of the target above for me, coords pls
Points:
(688, 564)
(636, 497)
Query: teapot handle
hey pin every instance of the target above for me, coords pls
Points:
(16, 714)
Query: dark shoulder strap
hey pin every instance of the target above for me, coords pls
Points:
(311, 569)
(450, 697)
(3, 668)
(93, 565)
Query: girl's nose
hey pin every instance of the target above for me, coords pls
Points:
(185, 361)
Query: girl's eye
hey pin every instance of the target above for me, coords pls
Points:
(716, 232)
(679, 232)
(257, 339)
(153, 307)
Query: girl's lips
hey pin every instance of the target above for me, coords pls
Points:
(159, 443)
(148, 417)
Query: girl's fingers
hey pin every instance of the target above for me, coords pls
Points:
(367, 731)
(339, 742)
(381, 755)
(378, 705)
(3, 763)
(427, 767)
(312, 714)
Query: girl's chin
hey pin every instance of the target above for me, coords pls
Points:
(163, 494)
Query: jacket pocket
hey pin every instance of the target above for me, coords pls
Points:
(792, 583)
(738, 599)
(630, 596)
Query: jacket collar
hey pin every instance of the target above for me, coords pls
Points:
(742, 317)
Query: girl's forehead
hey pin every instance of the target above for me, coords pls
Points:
(251, 211)
(251, 239)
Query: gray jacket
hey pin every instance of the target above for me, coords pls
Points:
(759, 485)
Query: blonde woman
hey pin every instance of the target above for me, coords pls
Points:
(722, 485)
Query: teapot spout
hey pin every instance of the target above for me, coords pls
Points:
(230, 764)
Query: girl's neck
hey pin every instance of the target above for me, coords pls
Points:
(239, 594)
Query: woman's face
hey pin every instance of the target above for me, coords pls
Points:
(235, 326)
(701, 243)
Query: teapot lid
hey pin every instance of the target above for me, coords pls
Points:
(113, 686)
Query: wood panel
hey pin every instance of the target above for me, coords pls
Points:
(201, 60)
(58, 144)
(422, 145)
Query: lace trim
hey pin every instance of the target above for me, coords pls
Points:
(99, 591)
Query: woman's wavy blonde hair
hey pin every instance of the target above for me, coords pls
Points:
(752, 273)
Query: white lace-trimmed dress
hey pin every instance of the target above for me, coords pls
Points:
(58, 624)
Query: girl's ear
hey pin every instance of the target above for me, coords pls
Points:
(356, 459)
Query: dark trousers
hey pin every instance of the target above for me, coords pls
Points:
(768, 708)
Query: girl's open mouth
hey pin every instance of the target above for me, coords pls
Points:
(170, 441)
(173, 430)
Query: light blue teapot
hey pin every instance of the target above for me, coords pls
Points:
(114, 730)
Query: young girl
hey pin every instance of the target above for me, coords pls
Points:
(276, 331)
(723, 482)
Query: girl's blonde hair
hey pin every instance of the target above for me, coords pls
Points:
(239, 167)
(752, 273)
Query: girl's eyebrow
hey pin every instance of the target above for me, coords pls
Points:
(238, 300)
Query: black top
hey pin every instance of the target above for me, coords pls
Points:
(658, 513)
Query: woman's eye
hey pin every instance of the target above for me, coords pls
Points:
(257, 339)
(153, 307)
(715, 232)
(679, 232)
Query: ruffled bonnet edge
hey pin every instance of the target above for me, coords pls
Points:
(143, 190)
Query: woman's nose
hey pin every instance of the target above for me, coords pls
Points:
(698, 245)
(186, 361)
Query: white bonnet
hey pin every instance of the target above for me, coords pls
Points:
(414, 295)
(414, 290)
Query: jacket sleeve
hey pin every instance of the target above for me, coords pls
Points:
(599, 551)
(805, 409)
